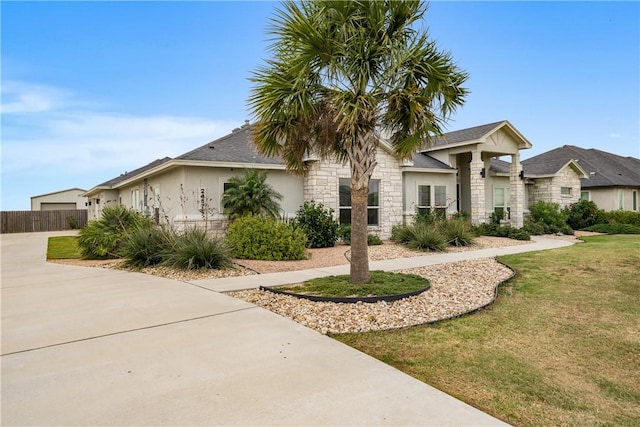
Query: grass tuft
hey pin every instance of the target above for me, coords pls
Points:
(382, 283)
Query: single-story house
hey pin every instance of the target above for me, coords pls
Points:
(612, 182)
(71, 198)
(460, 171)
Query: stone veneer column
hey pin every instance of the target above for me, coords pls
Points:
(476, 181)
(517, 192)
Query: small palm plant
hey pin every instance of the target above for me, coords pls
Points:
(249, 194)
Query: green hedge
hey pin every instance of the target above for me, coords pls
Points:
(255, 237)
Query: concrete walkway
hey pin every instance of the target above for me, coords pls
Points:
(87, 346)
(274, 279)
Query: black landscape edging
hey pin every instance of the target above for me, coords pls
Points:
(347, 300)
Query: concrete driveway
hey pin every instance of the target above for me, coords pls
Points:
(87, 346)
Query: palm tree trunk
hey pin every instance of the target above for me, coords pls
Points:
(362, 157)
(359, 271)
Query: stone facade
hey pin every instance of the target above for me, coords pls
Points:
(477, 184)
(321, 184)
(551, 189)
(516, 187)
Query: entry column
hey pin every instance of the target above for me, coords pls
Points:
(517, 192)
(476, 181)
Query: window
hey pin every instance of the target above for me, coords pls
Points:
(501, 202)
(634, 200)
(621, 199)
(585, 195)
(424, 197)
(566, 191)
(135, 199)
(373, 202)
(156, 196)
(440, 196)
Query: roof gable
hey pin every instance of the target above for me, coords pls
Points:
(603, 169)
(489, 133)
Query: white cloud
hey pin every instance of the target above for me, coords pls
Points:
(615, 135)
(21, 97)
(69, 140)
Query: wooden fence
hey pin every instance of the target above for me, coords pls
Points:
(34, 221)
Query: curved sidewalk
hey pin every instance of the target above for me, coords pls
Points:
(274, 279)
(86, 346)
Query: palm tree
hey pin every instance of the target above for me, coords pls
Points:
(341, 72)
(250, 194)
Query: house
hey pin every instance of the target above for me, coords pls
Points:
(71, 198)
(459, 171)
(612, 182)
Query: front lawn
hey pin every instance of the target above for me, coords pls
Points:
(559, 347)
(63, 247)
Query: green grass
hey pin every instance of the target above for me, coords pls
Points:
(382, 283)
(559, 347)
(63, 247)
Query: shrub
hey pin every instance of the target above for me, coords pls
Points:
(496, 230)
(147, 246)
(421, 236)
(623, 217)
(344, 233)
(103, 238)
(373, 240)
(615, 228)
(253, 237)
(425, 216)
(318, 223)
(548, 214)
(533, 228)
(195, 249)
(583, 214)
(72, 222)
(456, 232)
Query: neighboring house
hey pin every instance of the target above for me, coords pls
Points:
(60, 200)
(612, 182)
(459, 171)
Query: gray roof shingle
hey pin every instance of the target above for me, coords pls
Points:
(424, 161)
(604, 169)
(127, 175)
(236, 147)
(462, 135)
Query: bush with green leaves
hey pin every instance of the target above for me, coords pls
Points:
(550, 216)
(583, 213)
(194, 249)
(103, 238)
(615, 228)
(422, 236)
(456, 232)
(254, 237)
(533, 228)
(496, 230)
(344, 233)
(623, 217)
(318, 223)
(147, 246)
(373, 240)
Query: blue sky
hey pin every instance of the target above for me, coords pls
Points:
(93, 89)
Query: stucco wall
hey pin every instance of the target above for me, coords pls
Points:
(413, 179)
(321, 184)
(180, 192)
(607, 198)
(70, 198)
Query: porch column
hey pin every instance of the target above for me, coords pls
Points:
(517, 192)
(476, 182)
